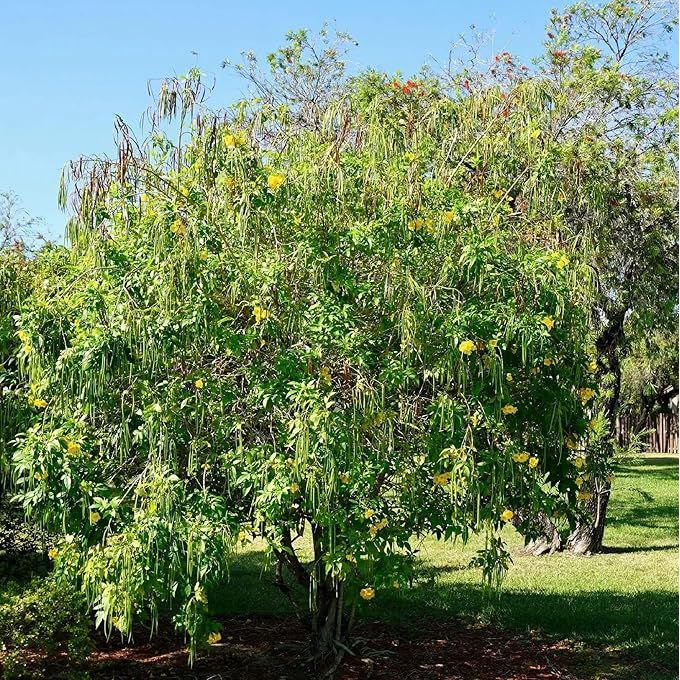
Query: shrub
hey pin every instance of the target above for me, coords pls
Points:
(39, 620)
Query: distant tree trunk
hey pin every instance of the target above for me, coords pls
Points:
(588, 535)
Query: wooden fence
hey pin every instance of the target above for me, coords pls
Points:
(663, 439)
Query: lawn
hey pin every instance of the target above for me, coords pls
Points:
(620, 608)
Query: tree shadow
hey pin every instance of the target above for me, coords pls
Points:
(621, 550)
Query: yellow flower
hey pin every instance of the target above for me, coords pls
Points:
(214, 638)
(39, 476)
(72, 448)
(229, 140)
(325, 373)
(572, 443)
(508, 377)
(448, 216)
(26, 349)
(294, 487)
(367, 593)
(225, 181)
(144, 198)
(23, 335)
(241, 536)
(52, 553)
(416, 225)
(493, 343)
(344, 478)
(396, 584)
(40, 403)
(499, 193)
(507, 515)
(579, 481)
(584, 495)
(535, 370)
(260, 313)
(586, 394)
(592, 367)
(509, 410)
(199, 384)
(350, 558)
(592, 424)
(290, 462)
(177, 227)
(474, 420)
(521, 457)
(410, 156)
(547, 361)
(368, 513)
(562, 262)
(275, 180)
(579, 462)
(467, 347)
(533, 462)
(442, 479)
(373, 529)
(548, 322)
(94, 517)
(200, 595)
(535, 134)
(203, 255)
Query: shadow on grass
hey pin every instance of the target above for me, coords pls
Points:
(648, 515)
(644, 624)
(619, 550)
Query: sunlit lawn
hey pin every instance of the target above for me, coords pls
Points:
(620, 607)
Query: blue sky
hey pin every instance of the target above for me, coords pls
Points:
(69, 66)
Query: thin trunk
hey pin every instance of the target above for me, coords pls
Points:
(329, 623)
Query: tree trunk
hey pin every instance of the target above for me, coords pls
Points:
(549, 540)
(587, 536)
(328, 622)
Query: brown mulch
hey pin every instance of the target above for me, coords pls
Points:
(264, 648)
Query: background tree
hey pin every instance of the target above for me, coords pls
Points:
(16, 281)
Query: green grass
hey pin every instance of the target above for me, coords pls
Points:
(619, 608)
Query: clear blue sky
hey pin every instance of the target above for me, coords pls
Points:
(69, 66)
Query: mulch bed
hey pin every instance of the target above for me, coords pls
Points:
(264, 648)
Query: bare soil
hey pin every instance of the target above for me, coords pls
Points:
(264, 648)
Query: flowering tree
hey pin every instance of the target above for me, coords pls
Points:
(276, 329)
